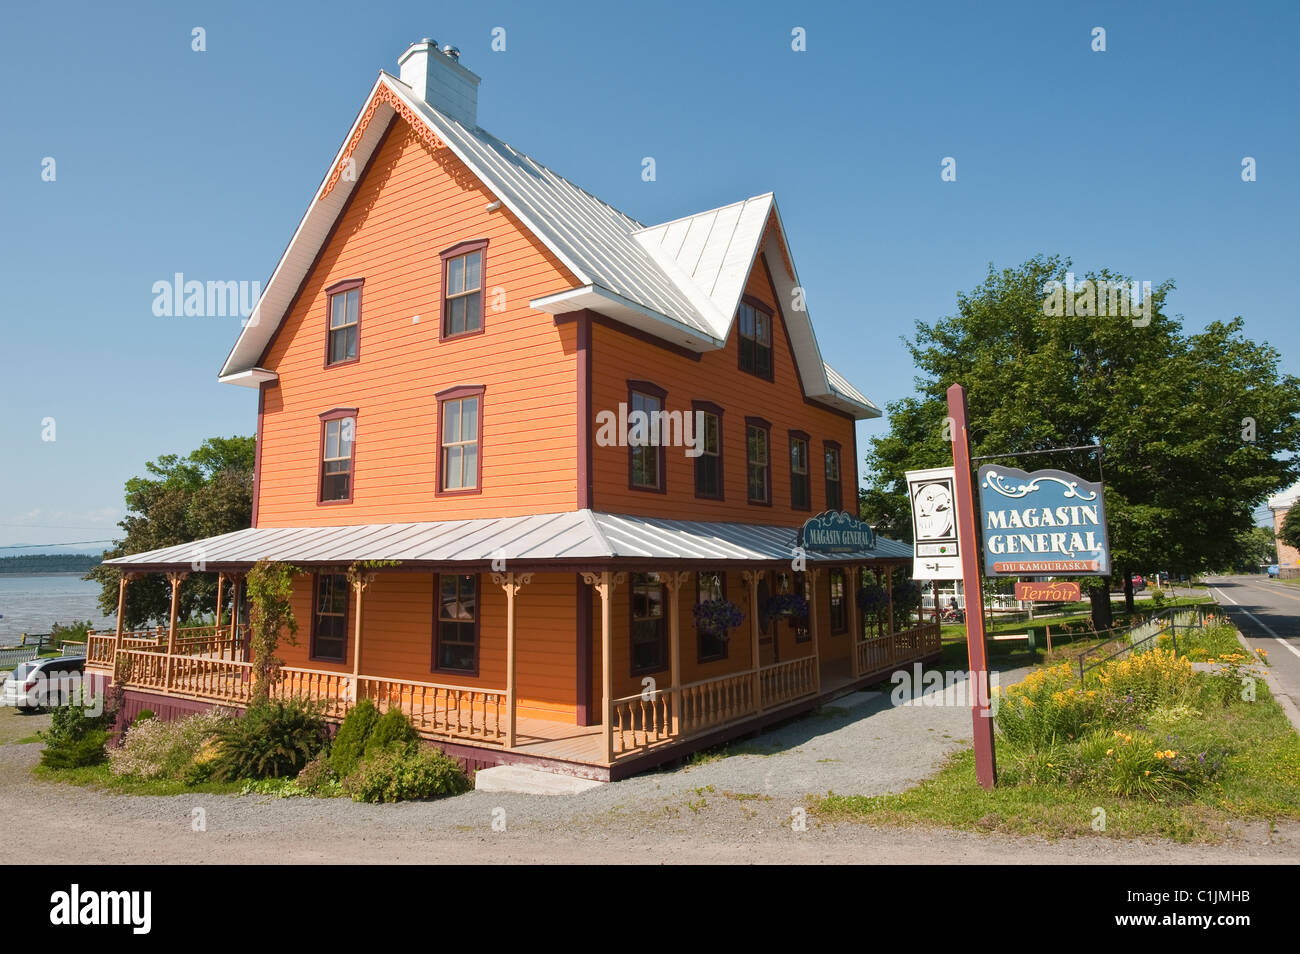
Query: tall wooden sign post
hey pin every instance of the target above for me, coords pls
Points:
(968, 538)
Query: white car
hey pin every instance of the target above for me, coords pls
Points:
(43, 682)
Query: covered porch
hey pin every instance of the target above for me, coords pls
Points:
(772, 669)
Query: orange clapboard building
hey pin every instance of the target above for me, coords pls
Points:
(511, 439)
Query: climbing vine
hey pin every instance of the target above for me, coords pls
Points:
(270, 597)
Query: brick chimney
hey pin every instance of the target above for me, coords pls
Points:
(437, 77)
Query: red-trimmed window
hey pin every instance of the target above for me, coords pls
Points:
(646, 457)
(710, 585)
(834, 487)
(839, 602)
(329, 618)
(460, 438)
(800, 479)
(759, 460)
(708, 466)
(338, 452)
(649, 648)
(455, 633)
(755, 336)
(344, 322)
(462, 289)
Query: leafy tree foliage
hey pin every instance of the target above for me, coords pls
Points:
(1290, 532)
(208, 492)
(1197, 429)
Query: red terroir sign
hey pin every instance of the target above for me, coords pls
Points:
(1058, 592)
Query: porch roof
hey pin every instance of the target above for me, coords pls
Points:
(556, 540)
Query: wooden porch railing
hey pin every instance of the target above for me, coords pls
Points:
(885, 651)
(456, 712)
(787, 681)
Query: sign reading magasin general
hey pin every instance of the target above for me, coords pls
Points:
(1045, 523)
(836, 531)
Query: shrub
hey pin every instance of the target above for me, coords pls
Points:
(157, 749)
(396, 773)
(144, 715)
(318, 777)
(272, 740)
(350, 740)
(1047, 706)
(392, 729)
(76, 737)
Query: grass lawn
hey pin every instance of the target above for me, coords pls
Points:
(99, 777)
(1224, 763)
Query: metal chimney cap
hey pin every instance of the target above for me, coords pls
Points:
(451, 51)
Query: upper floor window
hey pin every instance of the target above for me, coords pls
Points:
(800, 479)
(460, 411)
(646, 460)
(649, 649)
(455, 635)
(757, 433)
(344, 322)
(338, 444)
(462, 284)
(755, 340)
(834, 491)
(329, 620)
(708, 465)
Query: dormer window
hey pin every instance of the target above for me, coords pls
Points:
(755, 334)
(462, 284)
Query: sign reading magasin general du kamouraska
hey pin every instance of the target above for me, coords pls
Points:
(1047, 522)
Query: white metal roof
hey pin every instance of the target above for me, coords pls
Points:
(568, 537)
(1286, 499)
(680, 281)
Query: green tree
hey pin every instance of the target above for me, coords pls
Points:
(1256, 547)
(206, 493)
(1197, 429)
(1290, 532)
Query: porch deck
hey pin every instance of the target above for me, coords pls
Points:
(474, 724)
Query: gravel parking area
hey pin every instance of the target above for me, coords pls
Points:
(735, 807)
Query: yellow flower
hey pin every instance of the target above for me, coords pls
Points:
(1170, 753)
(1147, 772)
(1109, 751)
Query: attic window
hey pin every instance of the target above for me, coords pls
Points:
(341, 345)
(755, 339)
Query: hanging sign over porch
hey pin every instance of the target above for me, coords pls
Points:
(1047, 522)
(934, 524)
(1058, 591)
(836, 531)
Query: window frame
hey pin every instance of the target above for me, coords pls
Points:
(827, 447)
(437, 624)
(340, 288)
(336, 414)
(708, 407)
(459, 394)
(766, 427)
(312, 653)
(651, 390)
(769, 312)
(700, 656)
(664, 663)
(446, 256)
(803, 438)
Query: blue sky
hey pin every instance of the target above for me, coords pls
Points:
(169, 160)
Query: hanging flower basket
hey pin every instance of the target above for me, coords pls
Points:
(788, 605)
(907, 595)
(872, 599)
(715, 617)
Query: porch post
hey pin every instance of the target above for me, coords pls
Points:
(216, 629)
(811, 574)
(673, 581)
(360, 581)
(512, 583)
(855, 624)
(175, 578)
(934, 596)
(122, 579)
(889, 592)
(605, 582)
(751, 578)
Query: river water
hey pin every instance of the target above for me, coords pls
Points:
(31, 604)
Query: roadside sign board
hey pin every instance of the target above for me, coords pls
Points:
(1057, 591)
(1045, 523)
(934, 524)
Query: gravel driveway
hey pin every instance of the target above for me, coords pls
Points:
(734, 808)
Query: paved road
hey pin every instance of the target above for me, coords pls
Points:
(1268, 615)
